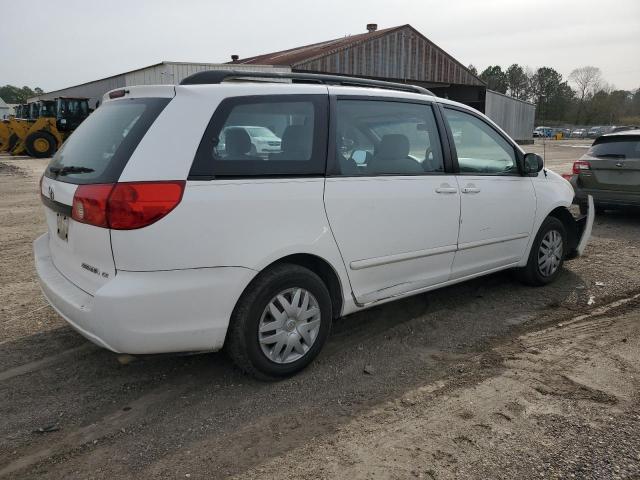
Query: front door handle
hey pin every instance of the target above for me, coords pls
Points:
(471, 188)
(446, 188)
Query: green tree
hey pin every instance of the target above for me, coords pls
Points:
(13, 94)
(635, 103)
(495, 78)
(517, 82)
(551, 94)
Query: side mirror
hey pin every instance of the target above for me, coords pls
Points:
(533, 163)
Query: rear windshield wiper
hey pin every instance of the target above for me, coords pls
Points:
(69, 169)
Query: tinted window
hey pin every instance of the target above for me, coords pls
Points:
(103, 143)
(274, 135)
(479, 147)
(386, 138)
(621, 147)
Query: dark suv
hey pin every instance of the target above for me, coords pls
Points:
(610, 171)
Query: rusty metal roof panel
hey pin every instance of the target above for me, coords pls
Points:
(399, 53)
(309, 52)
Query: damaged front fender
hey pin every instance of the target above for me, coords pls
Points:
(585, 225)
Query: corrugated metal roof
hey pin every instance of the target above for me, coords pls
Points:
(398, 53)
(307, 53)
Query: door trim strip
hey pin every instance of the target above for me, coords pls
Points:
(400, 257)
(491, 241)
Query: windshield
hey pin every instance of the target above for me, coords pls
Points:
(99, 149)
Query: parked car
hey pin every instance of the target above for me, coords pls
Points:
(609, 171)
(623, 128)
(156, 246)
(263, 141)
(543, 132)
(595, 132)
(579, 133)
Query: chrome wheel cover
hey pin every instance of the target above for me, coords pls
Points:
(550, 253)
(289, 325)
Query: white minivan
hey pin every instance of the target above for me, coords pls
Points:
(164, 238)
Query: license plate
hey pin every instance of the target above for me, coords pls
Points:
(63, 227)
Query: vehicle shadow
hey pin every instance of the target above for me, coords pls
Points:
(199, 400)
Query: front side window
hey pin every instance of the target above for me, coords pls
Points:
(386, 138)
(275, 135)
(479, 147)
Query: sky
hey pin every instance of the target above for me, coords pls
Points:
(54, 45)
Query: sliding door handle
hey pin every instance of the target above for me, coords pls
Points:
(470, 189)
(446, 188)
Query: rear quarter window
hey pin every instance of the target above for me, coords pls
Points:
(257, 136)
(101, 146)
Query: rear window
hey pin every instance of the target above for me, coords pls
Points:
(616, 147)
(101, 146)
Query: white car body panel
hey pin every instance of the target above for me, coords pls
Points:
(494, 232)
(87, 247)
(150, 312)
(396, 234)
(552, 191)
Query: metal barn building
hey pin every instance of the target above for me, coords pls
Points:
(163, 73)
(403, 54)
(399, 54)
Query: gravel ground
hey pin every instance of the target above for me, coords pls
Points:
(442, 362)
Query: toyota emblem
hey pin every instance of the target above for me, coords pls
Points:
(51, 192)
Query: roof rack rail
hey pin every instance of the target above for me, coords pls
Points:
(219, 76)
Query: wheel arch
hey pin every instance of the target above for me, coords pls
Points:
(564, 215)
(324, 270)
(559, 210)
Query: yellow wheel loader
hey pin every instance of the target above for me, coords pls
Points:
(50, 123)
(19, 128)
(5, 133)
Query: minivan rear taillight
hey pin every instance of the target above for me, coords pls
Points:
(579, 166)
(90, 204)
(125, 206)
(138, 204)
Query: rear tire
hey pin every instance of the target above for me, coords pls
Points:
(271, 340)
(41, 144)
(547, 254)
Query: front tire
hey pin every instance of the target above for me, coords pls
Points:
(280, 323)
(547, 254)
(41, 144)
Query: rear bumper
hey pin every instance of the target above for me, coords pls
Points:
(605, 198)
(147, 312)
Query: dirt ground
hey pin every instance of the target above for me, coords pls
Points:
(487, 379)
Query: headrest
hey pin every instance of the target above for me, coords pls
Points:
(237, 141)
(393, 147)
(297, 138)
